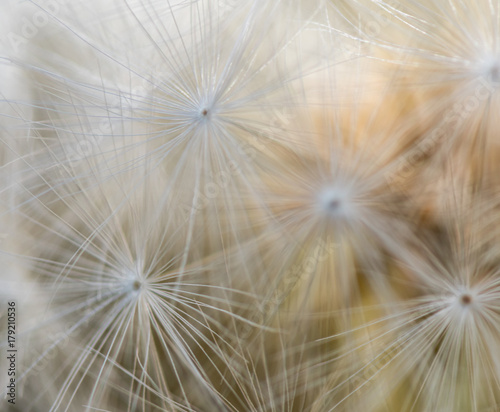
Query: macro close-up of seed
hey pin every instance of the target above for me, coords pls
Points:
(260, 206)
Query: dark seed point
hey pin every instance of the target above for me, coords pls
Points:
(466, 299)
(495, 73)
(136, 285)
(204, 112)
(333, 204)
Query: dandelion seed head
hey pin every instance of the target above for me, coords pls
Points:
(489, 69)
(466, 302)
(336, 202)
(134, 282)
(466, 299)
(206, 113)
(494, 72)
(136, 285)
